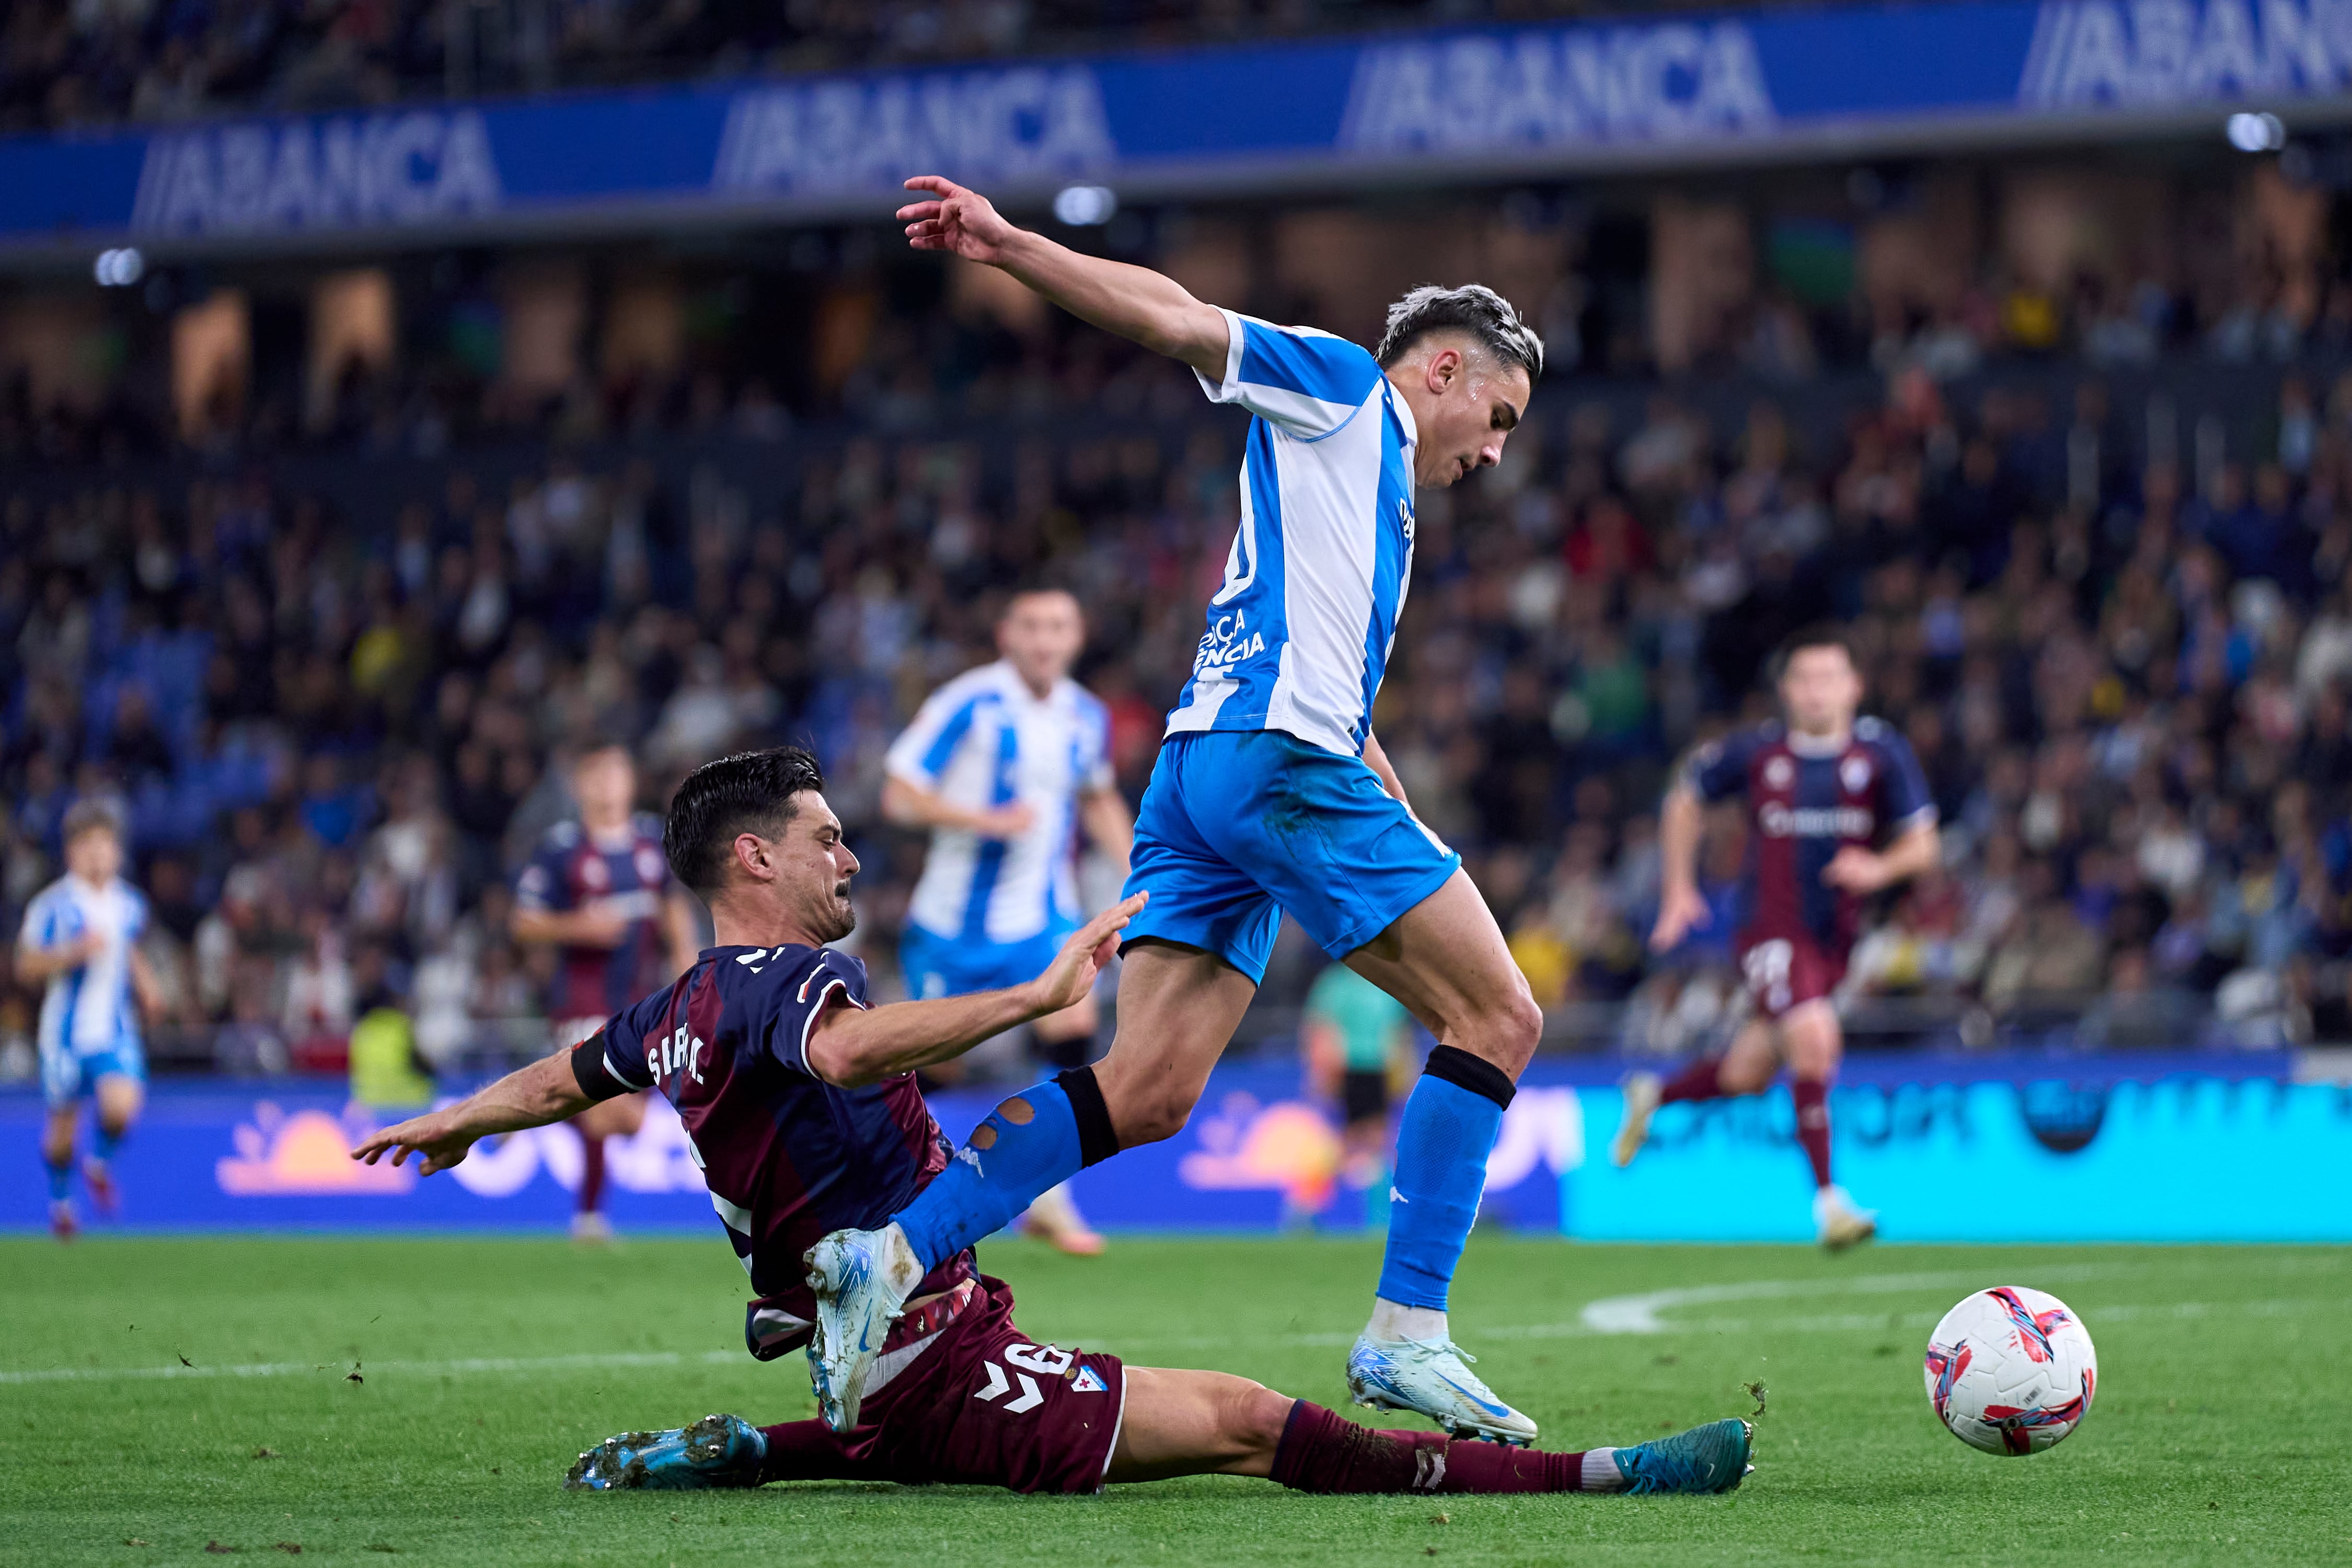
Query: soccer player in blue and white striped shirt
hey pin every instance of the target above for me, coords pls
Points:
(1270, 793)
(1006, 764)
(81, 939)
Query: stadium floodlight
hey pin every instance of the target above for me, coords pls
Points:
(1085, 206)
(2251, 132)
(119, 269)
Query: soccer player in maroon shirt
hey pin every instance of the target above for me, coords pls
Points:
(1837, 810)
(599, 891)
(800, 1103)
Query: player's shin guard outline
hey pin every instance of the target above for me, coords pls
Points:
(1007, 1161)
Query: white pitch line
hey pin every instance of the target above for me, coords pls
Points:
(296, 1368)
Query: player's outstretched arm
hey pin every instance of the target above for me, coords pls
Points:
(852, 1046)
(1136, 303)
(545, 1091)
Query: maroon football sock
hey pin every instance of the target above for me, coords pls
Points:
(1811, 1095)
(808, 1451)
(1700, 1081)
(1321, 1452)
(591, 1173)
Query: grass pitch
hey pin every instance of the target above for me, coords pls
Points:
(419, 1400)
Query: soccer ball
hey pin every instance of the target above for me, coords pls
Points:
(2012, 1371)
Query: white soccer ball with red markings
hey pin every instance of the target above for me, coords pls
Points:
(2012, 1371)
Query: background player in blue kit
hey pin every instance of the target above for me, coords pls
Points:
(80, 936)
(1837, 810)
(800, 1104)
(1271, 794)
(599, 891)
(1005, 764)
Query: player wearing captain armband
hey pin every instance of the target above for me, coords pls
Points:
(1837, 810)
(800, 1105)
(1005, 764)
(1270, 794)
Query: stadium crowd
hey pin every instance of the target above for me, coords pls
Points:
(337, 713)
(69, 64)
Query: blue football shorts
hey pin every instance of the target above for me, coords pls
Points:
(938, 965)
(1240, 824)
(66, 1075)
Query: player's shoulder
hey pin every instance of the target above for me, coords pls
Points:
(982, 682)
(791, 971)
(646, 826)
(1878, 735)
(1082, 703)
(563, 838)
(56, 896)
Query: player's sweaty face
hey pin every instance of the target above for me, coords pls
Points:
(1041, 634)
(1821, 690)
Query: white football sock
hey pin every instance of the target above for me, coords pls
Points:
(901, 1266)
(1601, 1471)
(1391, 1321)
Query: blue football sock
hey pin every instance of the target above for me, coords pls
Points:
(998, 1173)
(60, 1181)
(1440, 1171)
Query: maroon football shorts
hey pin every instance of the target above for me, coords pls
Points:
(961, 1395)
(1785, 972)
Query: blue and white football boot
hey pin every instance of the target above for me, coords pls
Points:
(1430, 1376)
(862, 1279)
(716, 1451)
(1709, 1458)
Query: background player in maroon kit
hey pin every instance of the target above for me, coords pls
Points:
(800, 1103)
(1825, 790)
(599, 891)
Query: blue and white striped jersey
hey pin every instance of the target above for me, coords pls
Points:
(985, 740)
(1298, 635)
(88, 1009)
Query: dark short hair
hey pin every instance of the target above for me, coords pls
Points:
(1822, 634)
(1473, 309)
(750, 792)
(90, 812)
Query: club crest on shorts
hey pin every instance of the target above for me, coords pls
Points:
(1088, 1380)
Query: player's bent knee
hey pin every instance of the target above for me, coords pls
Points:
(1254, 1419)
(1153, 1116)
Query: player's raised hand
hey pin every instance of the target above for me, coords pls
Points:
(1680, 912)
(1856, 870)
(958, 221)
(433, 1137)
(1071, 976)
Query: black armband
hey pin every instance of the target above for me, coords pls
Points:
(588, 1069)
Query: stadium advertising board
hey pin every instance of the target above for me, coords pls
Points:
(2016, 1158)
(1848, 79)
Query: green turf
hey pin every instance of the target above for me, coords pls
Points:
(2222, 1432)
